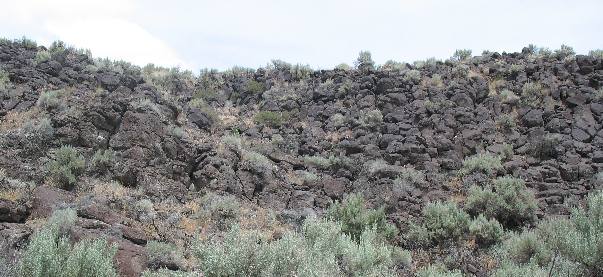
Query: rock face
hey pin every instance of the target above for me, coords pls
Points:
(300, 143)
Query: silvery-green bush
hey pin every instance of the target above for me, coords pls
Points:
(320, 248)
(508, 200)
(51, 254)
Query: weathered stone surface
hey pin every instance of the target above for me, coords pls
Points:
(12, 212)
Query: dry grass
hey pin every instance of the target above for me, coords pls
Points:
(111, 190)
(11, 195)
(15, 120)
(494, 86)
(335, 137)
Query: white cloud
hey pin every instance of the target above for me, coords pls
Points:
(103, 26)
(117, 39)
(222, 34)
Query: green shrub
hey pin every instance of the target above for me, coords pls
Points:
(204, 108)
(355, 217)
(515, 270)
(238, 254)
(7, 268)
(444, 221)
(164, 272)
(157, 251)
(392, 65)
(371, 119)
(337, 120)
(545, 147)
(461, 54)
(66, 166)
(39, 131)
(272, 119)
(220, 207)
(438, 270)
(486, 232)
(42, 56)
(531, 94)
(412, 76)
(50, 100)
(484, 163)
(346, 86)
(508, 97)
(233, 141)
(567, 247)
(254, 87)
(4, 80)
(169, 80)
(506, 153)
(300, 71)
(580, 239)
(565, 51)
(320, 162)
(508, 200)
(50, 254)
(516, 69)
(320, 249)
(369, 256)
(27, 43)
(408, 178)
(597, 54)
(256, 161)
(527, 247)
(380, 167)
(343, 66)
(365, 61)
(102, 160)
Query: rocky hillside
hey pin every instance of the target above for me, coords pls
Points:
(161, 155)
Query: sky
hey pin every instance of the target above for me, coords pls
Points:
(196, 34)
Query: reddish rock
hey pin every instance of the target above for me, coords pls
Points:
(46, 199)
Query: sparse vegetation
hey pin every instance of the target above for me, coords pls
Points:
(597, 54)
(356, 218)
(545, 147)
(365, 61)
(462, 54)
(485, 163)
(265, 172)
(508, 200)
(270, 118)
(66, 166)
(102, 160)
(408, 178)
(254, 87)
(532, 93)
(372, 118)
(4, 80)
(438, 270)
(50, 100)
(412, 76)
(442, 221)
(320, 162)
(42, 56)
(486, 231)
(50, 253)
(568, 247)
(320, 249)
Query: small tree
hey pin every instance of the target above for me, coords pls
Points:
(365, 61)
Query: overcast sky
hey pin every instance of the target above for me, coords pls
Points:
(222, 33)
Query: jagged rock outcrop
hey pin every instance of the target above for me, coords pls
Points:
(323, 134)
